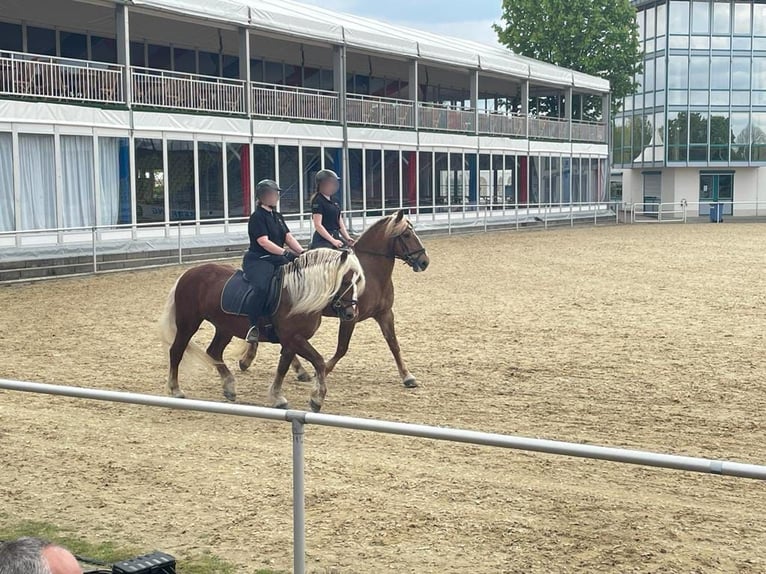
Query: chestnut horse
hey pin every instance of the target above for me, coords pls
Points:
(316, 280)
(387, 240)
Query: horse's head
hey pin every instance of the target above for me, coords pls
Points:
(344, 302)
(407, 245)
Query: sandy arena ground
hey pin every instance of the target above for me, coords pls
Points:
(641, 336)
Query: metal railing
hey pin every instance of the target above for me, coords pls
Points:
(288, 102)
(588, 131)
(32, 75)
(442, 117)
(500, 123)
(693, 211)
(548, 128)
(299, 420)
(164, 89)
(377, 111)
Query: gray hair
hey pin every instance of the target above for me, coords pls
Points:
(24, 556)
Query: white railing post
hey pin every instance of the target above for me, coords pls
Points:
(299, 501)
(180, 246)
(94, 232)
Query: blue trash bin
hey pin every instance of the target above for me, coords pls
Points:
(716, 213)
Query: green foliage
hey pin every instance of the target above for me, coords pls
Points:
(597, 37)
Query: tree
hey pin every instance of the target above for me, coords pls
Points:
(596, 37)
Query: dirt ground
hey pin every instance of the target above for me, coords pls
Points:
(649, 337)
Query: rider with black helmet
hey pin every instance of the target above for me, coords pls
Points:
(268, 236)
(329, 229)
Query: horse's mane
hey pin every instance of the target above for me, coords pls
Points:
(388, 225)
(313, 278)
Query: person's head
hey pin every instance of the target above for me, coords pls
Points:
(267, 193)
(327, 182)
(36, 556)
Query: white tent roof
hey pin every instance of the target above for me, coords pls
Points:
(311, 22)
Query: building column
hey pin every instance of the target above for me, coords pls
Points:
(568, 110)
(413, 91)
(475, 99)
(244, 66)
(122, 33)
(525, 106)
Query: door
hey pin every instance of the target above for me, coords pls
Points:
(652, 191)
(716, 188)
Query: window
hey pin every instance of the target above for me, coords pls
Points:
(742, 21)
(114, 167)
(256, 70)
(700, 17)
(759, 19)
(640, 20)
(698, 71)
(740, 134)
(230, 66)
(698, 136)
(650, 27)
(238, 179)
(181, 181)
(10, 37)
(79, 196)
(150, 181)
(293, 76)
(759, 73)
(74, 45)
(264, 164)
(289, 202)
(678, 72)
(661, 23)
(391, 172)
(7, 207)
(37, 182)
(355, 176)
(678, 136)
(720, 136)
(274, 73)
(758, 136)
(209, 64)
(649, 76)
(137, 55)
(721, 18)
(312, 163)
(158, 57)
(103, 49)
(184, 60)
(41, 41)
(425, 183)
(659, 74)
(373, 175)
(327, 80)
(210, 170)
(679, 17)
(719, 73)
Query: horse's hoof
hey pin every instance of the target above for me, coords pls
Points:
(314, 406)
(283, 406)
(230, 396)
(179, 395)
(243, 366)
(411, 382)
(304, 378)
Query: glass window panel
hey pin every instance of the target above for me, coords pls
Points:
(678, 136)
(391, 171)
(759, 19)
(700, 17)
(679, 17)
(659, 74)
(660, 97)
(640, 20)
(327, 80)
(758, 136)
(700, 42)
(74, 45)
(409, 171)
(185, 60)
(238, 179)
(719, 72)
(158, 56)
(679, 41)
(719, 98)
(660, 45)
(759, 44)
(181, 181)
(264, 163)
(312, 163)
(425, 184)
(759, 73)
(79, 196)
(740, 73)
(720, 136)
(37, 182)
(373, 180)
(649, 75)
(230, 66)
(678, 72)
(759, 98)
(650, 23)
(377, 87)
(741, 44)
(661, 19)
(209, 64)
(698, 127)
(7, 202)
(720, 43)
(356, 179)
(742, 20)
(740, 98)
(150, 181)
(103, 49)
(210, 175)
(293, 76)
(721, 18)
(41, 41)
(10, 37)
(274, 73)
(256, 70)
(114, 167)
(698, 98)
(289, 201)
(697, 153)
(312, 78)
(740, 132)
(137, 55)
(678, 98)
(699, 72)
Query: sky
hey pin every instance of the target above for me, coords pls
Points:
(448, 17)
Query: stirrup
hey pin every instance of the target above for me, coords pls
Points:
(252, 335)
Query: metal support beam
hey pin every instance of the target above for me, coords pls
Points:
(525, 106)
(475, 99)
(413, 91)
(122, 33)
(244, 66)
(568, 110)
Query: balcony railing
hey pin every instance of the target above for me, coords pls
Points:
(549, 128)
(288, 102)
(588, 131)
(498, 123)
(163, 89)
(376, 111)
(445, 118)
(32, 75)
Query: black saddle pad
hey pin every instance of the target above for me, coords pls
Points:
(235, 297)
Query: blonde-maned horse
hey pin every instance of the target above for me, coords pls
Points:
(316, 280)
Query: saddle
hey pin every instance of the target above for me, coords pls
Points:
(236, 294)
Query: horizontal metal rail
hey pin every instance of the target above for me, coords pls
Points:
(288, 102)
(446, 118)
(377, 111)
(159, 88)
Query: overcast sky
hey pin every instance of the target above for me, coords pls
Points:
(470, 20)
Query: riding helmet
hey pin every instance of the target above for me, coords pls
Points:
(266, 185)
(326, 175)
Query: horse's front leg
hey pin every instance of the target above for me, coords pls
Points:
(386, 323)
(303, 348)
(345, 330)
(303, 376)
(276, 398)
(248, 356)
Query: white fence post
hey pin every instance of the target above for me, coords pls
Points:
(94, 232)
(299, 500)
(180, 246)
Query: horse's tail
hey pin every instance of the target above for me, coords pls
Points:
(169, 328)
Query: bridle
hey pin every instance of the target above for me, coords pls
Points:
(409, 257)
(339, 305)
